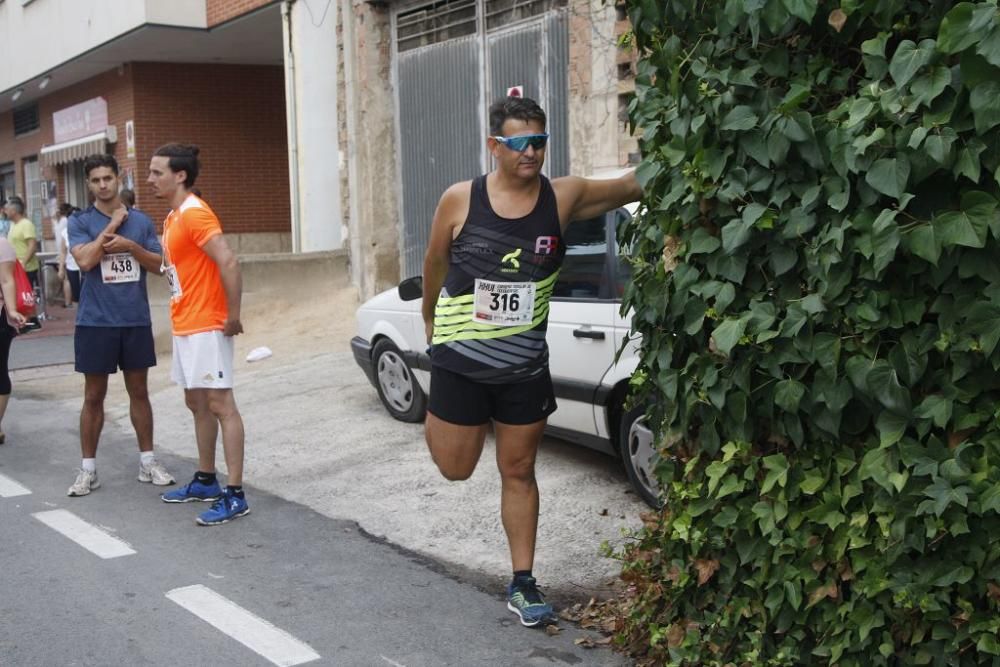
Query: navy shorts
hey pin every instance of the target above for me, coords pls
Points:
(103, 350)
(459, 400)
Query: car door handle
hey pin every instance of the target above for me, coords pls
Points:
(587, 333)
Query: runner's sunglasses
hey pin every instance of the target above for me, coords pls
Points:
(521, 143)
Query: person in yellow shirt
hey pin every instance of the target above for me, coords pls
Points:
(23, 237)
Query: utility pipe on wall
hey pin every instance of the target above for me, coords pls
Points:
(291, 119)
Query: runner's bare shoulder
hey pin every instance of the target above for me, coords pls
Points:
(453, 209)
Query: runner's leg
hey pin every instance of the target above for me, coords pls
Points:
(95, 387)
(140, 409)
(455, 448)
(517, 447)
(222, 407)
(206, 427)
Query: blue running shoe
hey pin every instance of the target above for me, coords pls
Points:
(192, 491)
(228, 507)
(525, 600)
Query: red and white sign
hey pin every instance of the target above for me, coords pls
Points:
(80, 120)
(515, 91)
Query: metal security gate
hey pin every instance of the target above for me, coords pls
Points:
(452, 59)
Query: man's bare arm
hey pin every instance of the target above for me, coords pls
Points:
(582, 198)
(451, 211)
(232, 280)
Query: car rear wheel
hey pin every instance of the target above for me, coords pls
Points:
(639, 456)
(398, 390)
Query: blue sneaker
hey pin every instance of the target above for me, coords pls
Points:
(192, 491)
(525, 600)
(228, 507)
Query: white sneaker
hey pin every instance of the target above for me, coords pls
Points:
(155, 473)
(86, 482)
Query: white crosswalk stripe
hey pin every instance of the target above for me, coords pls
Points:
(9, 488)
(255, 633)
(88, 536)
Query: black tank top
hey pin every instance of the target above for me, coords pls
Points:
(496, 334)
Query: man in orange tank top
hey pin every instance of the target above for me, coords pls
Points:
(205, 292)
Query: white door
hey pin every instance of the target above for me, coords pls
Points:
(581, 333)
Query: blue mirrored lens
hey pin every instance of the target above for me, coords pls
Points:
(521, 143)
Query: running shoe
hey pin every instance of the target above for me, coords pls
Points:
(525, 600)
(155, 473)
(194, 491)
(86, 481)
(228, 507)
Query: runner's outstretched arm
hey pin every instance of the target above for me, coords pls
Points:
(583, 198)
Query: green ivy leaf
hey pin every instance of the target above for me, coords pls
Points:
(908, 59)
(890, 427)
(777, 472)
(985, 106)
(889, 176)
(955, 33)
(969, 226)
(989, 48)
(702, 241)
(788, 394)
(803, 9)
(927, 87)
(923, 242)
(943, 494)
(735, 235)
(739, 118)
(936, 408)
(728, 334)
(883, 382)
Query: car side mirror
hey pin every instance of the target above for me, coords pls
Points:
(411, 289)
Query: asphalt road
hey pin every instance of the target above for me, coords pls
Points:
(139, 583)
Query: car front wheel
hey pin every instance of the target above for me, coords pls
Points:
(639, 456)
(397, 388)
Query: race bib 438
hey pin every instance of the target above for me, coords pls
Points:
(119, 268)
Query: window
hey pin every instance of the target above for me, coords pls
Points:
(26, 119)
(33, 192)
(623, 269)
(584, 271)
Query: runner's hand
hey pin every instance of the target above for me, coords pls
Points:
(19, 319)
(114, 243)
(62, 274)
(429, 330)
(118, 217)
(232, 328)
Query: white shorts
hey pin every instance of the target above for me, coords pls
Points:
(203, 361)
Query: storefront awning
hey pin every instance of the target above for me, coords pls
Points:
(78, 149)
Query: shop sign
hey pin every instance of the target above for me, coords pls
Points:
(80, 120)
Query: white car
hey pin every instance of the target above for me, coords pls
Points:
(585, 330)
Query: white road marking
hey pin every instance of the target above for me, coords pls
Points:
(9, 488)
(255, 633)
(392, 662)
(89, 537)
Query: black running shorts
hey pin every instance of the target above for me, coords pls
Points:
(459, 400)
(103, 350)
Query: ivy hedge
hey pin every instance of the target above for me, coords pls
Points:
(817, 285)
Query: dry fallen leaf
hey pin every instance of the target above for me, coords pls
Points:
(552, 630)
(706, 569)
(837, 19)
(675, 635)
(994, 591)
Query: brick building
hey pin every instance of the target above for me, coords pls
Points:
(323, 124)
(132, 85)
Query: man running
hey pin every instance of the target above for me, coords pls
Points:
(114, 247)
(493, 258)
(205, 292)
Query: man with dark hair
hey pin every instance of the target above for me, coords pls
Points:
(114, 247)
(22, 235)
(493, 257)
(205, 293)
